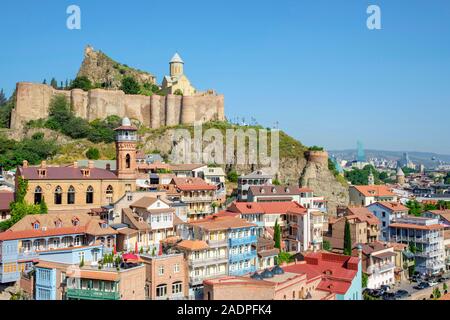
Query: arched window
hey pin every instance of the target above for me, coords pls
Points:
(90, 195)
(58, 195)
(71, 195)
(37, 195)
(109, 194)
(128, 161)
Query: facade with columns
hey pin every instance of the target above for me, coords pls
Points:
(69, 188)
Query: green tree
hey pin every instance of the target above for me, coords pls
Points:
(178, 92)
(93, 154)
(347, 239)
(82, 262)
(326, 245)
(284, 257)
(82, 83)
(445, 286)
(130, 86)
(365, 280)
(361, 176)
(54, 83)
(415, 208)
(43, 206)
(3, 99)
(232, 176)
(276, 182)
(277, 235)
(436, 293)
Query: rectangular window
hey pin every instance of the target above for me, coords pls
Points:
(177, 288)
(176, 268)
(161, 290)
(161, 270)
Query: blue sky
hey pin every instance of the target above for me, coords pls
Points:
(311, 65)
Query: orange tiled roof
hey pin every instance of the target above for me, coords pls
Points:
(393, 206)
(416, 226)
(221, 223)
(192, 184)
(375, 191)
(193, 245)
(362, 214)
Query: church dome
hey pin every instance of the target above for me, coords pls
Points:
(176, 59)
(256, 276)
(126, 122)
(267, 274)
(277, 270)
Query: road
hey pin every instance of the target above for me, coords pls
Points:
(418, 294)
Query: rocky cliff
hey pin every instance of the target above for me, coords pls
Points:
(107, 73)
(297, 164)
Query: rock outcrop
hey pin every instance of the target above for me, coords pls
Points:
(107, 73)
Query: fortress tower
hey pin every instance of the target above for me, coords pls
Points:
(126, 139)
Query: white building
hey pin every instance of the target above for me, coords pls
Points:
(387, 212)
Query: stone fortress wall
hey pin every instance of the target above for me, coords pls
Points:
(32, 103)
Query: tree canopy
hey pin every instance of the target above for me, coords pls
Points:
(130, 86)
(82, 82)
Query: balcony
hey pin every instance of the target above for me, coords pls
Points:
(195, 280)
(91, 294)
(376, 269)
(243, 256)
(9, 277)
(27, 255)
(208, 261)
(188, 199)
(217, 243)
(244, 240)
(241, 272)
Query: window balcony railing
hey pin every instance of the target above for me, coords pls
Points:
(242, 256)
(241, 272)
(92, 294)
(194, 280)
(243, 240)
(188, 199)
(379, 269)
(208, 260)
(217, 243)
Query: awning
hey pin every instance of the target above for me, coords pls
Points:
(408, 254)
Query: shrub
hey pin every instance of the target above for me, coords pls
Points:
(93, 154)
(232, 176)
(130, 86)
(81, 83)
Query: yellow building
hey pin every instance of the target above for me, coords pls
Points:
(177, 82)
(69, 188)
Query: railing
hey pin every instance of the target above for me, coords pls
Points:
(199, 279)
(208, 260)
(91, 294)
(217, 243)
(243, 256)
(22, 255)
(244, 271)
(379, 269)
(197, 199)
(243, 240)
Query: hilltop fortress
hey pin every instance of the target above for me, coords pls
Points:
(32, 100)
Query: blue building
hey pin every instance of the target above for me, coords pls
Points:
(241, 250)
(61, 238)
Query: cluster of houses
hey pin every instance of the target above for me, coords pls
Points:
(140, 228)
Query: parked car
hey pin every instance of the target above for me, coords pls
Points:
(433, 283)
(385, 288)
(422, 285)
(389, 296)
(401, 294)
(443, 278)
(377, 293)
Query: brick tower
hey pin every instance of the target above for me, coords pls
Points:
(126, 139)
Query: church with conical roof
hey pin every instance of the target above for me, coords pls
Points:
(176, 82)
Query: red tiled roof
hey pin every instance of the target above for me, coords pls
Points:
(6, 197)
(393, 206)
(192, 184)
(375, 191)
(416, 226)
(267, 207)
(14, 235)
(66, 173)
(362, 214)
(129, 128)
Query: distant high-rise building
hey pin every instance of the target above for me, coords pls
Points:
(361, 155)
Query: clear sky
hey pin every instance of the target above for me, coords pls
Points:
(311, 65)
